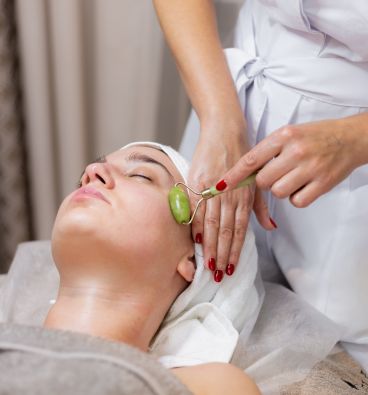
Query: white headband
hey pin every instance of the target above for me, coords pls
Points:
(179, 161)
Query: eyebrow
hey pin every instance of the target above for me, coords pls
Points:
(138, 157)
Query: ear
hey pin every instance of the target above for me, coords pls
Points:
(187, 267)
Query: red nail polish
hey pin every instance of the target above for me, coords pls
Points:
(230, 269)
(198, 238)
(212, 264)
(221, 185)
(218, 275)
(273, 223)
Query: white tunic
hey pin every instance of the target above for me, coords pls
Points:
(296, 62)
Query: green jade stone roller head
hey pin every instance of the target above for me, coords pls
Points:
(180, 204)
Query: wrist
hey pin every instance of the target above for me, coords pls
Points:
(229, 135)
(223, 123)
(355, 129)
(225, 130)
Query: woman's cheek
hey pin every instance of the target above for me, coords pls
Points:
(146, 208)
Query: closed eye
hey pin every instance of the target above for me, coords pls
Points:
(141, 175)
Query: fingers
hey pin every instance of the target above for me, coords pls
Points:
(241, 225)
(226, 222)
(225, 226)
(290, 183)
(273, 171)
(253, 160)
(211, 230)
(307, 195)
(261, 211)
(198, 220)
(226, 233)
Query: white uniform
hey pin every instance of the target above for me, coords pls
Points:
(296, 62)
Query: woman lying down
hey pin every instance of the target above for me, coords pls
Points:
(130, 273)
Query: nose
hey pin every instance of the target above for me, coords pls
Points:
(99, 173)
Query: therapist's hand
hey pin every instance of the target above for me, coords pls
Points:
(221, 222)
(304, 161)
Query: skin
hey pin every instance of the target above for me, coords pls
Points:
(302, 162)
(191, 32)
(115, 281)
(310, 158)
(216, 379)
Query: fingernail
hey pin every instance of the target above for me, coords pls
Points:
(212, 264)
(198, 238)
(218, 275)
(221, 185)
(273, 223)
(230, 269)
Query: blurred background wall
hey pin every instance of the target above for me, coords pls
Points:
(14, 197)
(78, 78)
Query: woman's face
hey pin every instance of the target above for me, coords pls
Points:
(120, 219)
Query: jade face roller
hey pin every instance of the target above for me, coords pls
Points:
(179, 201)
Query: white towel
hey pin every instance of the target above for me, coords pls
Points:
(204, 322)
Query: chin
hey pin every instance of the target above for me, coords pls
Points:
(76, 232)
(77, 221)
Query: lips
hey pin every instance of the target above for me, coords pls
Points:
(90, 192)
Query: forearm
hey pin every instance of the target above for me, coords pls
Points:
(191, 31)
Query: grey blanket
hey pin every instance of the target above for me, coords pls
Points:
(35, 360)
(290, 337)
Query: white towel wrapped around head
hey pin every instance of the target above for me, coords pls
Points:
(204, 322)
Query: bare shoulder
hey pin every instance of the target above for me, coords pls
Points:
(216, 378)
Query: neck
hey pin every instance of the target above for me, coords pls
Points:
(131, 318)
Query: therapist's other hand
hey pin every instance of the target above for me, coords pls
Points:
(221, 222)
(302, 162)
